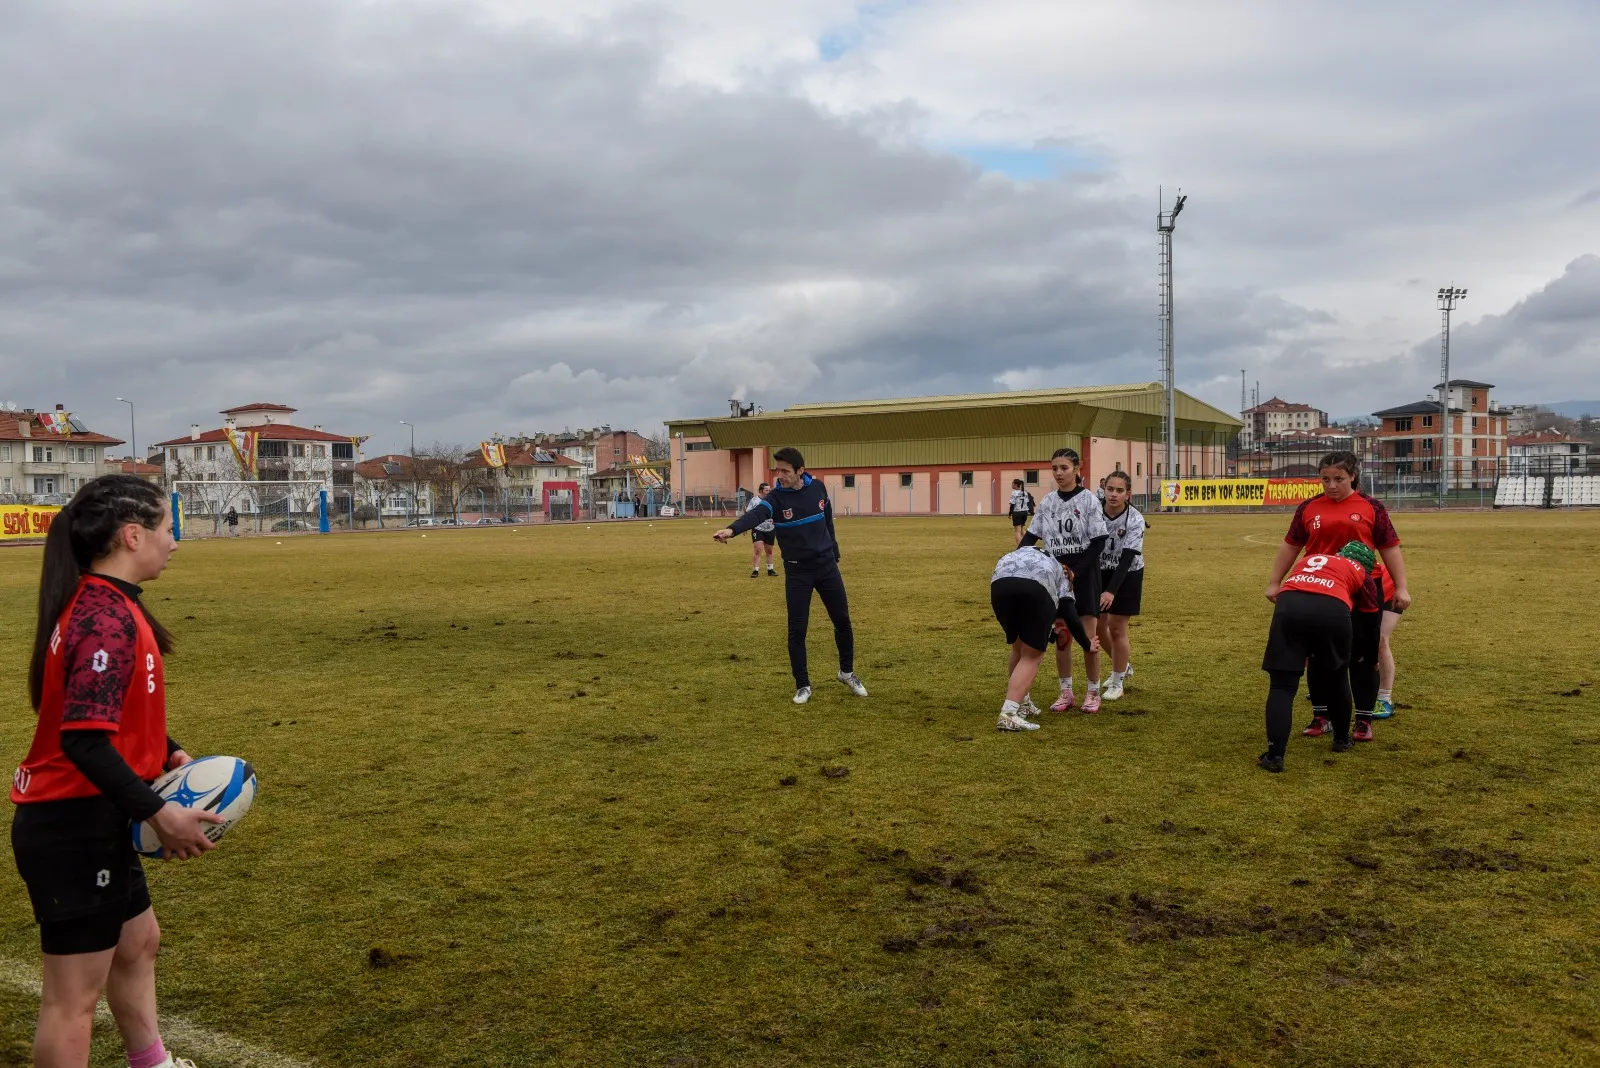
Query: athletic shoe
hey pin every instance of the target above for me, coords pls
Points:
(850, 679)
(1112, 690)
(1011, 722)
(1129, 673)
(1385, 709)
(772, 572)
(1064, 702)
(1362, 731)
(755, 572)
(1268, 762)
(176, 1062)
(1344, 746)
(1028, 708)
(1320, 725)
(1091, 703)
(802, 695)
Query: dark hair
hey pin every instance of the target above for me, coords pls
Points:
(764, 485)
(1016, 482)
(1070, 454)
(80, 534)
(791, 456)
(1345, 460)
(1119, 473)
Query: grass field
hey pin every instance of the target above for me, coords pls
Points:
(540, 797)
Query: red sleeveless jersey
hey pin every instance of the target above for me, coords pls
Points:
(1333, 576)
(102, 673)
(1323, 525)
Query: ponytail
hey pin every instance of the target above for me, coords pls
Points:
(81, 533)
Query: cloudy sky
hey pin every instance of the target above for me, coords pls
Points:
(502, 216)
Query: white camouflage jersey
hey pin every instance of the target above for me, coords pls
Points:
(1066, 527)
(1127, 532)
(1019, 502)
(1032, 562)
(766, 527)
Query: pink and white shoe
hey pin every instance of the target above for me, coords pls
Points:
(1064, 702)
(1091, 702)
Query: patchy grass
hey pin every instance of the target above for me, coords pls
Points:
(540, 797)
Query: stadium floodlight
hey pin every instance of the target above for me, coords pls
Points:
(133, 435)
(1165, 222)
(1448, 296)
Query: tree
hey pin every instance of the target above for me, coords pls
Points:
(658, 446)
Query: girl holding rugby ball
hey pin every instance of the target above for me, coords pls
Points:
(96, 683)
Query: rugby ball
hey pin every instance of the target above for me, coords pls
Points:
(222, 784)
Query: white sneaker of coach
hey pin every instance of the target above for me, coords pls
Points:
(852, 680)
(802, 695)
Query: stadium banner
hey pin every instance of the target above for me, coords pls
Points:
(494, 453)
(1238, 492)
(244, 444)
(19, 521)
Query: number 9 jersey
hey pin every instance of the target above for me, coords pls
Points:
(102, 672)
(1333, 576)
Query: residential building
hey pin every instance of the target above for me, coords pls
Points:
(148, 472)
(1278, 416)
(951, 455)
(395, 486)
(1408, 444)
(1549, 452)
(529, 480)
(45, 456)
(309, 458)
(595, 449)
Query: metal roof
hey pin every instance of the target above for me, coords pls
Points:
(1422, 407)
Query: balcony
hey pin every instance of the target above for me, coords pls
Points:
(44, 467)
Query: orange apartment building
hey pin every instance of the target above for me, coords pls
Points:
(1408, 446)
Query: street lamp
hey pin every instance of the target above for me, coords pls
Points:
(133, 437)
(1166, 222)
(413, 458)
(1447, 303)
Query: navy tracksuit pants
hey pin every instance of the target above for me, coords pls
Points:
(798, 582)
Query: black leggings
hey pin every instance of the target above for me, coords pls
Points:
(798, 582)
(1330, 686)
(1365, 630)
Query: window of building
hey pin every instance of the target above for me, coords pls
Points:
(319, 452)
(1031, 477)
(195, 452)
(700, 446)
(1138, 469)
(5, 453)
(344, 450)
(43, 454)
(1402, 448)
(905, 480)
(344, 478)
(616, 452)
(1474, 422)
(272, 448)
(211, 452)
(297, 449)
(1427, 444)
(966, 478)
(1427, 420)
(849, 481)
(1193, 470)
(1402, 425)
(44, 485)
(5, 485)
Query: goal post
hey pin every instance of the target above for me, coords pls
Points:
(202, 507)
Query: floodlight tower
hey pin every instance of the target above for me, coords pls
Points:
(1447, 304)
(1165, 221)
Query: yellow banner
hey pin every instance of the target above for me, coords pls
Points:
(494, 453)
(19, 521)
(1238, 492)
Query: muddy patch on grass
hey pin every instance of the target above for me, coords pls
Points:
(1172, 916)
(1462, 859)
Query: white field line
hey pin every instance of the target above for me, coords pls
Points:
(186, 1039)
(1251, 538)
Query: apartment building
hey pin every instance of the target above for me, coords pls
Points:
(46, 455)
(1410, 442)
(1278, 416)
(595, 449)
(1548, 452)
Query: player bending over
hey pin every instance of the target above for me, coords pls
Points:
(96, 682)
(1032, 602)
(1311, 632)
(803, 520)
(1073, 530)
(1121, 577)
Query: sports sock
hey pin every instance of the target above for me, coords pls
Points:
(1066, 685)
(1118, 676)
(148, 1058)
(1364, 717)
(1319, 711)
(1009, 708)
(1385, 695)
(1094, 685)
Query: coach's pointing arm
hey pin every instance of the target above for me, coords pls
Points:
(749, 521)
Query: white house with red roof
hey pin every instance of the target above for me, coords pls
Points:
(1548, 452)
(285, 453)
(46, 455)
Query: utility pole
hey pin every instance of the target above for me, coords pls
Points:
(1244, 408)
(1165, 221)
(133, 435)
(1447, 303)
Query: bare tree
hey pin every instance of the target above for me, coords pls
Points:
(658, 446)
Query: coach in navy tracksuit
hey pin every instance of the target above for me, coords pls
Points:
(798, 506)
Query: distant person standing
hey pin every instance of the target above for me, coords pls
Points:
(803, 520)
(1121, 577)
(232, 519)
(763, 535)
(1021, 509)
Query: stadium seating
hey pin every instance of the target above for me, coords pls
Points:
(1556, 491)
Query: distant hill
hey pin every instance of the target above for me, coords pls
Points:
(1573, 409)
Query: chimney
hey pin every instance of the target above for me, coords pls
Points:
(229, 424)
(194, 431)
(61, 407)
(317, 428)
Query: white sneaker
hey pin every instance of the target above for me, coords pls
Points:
(1028, 707)
(1112, 690)
(176, 1062)
(802, 695)
(1129, 673)
(1010, 722)
(853, 681)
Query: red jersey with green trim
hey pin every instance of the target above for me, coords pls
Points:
(1334, 576)
(102, 673)
(1324, 525)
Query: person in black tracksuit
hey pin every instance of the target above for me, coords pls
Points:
(799, 508)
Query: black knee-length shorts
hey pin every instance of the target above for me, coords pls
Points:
(83, 877)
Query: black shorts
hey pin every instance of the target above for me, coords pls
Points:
(1085, 585)
(83, 876)
(1025, 611)
(1020, 519)
(768, 536)
(1307, 626)
(1128, 595)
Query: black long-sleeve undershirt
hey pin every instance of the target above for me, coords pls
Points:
(1124, 565)
(92, 753)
